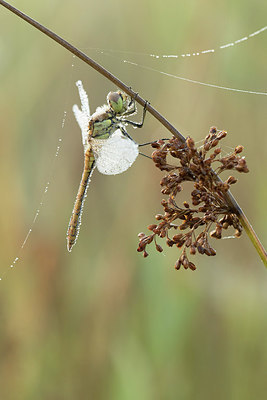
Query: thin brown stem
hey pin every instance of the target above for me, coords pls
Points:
(230, 199)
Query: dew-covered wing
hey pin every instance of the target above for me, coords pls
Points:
(82, 116)
(115, 154)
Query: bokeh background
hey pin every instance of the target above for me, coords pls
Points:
(102, 322)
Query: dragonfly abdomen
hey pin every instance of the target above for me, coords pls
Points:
(75, 221)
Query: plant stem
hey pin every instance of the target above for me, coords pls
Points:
(252, 236)
(229, 197)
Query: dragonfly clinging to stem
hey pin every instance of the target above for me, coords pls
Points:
(107, 145)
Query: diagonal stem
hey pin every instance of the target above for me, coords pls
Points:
(229, 197)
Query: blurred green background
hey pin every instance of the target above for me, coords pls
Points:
(102, 322)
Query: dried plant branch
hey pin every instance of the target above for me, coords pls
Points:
(207, 208)
(233, 205)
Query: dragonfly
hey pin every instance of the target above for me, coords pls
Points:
(107, 145)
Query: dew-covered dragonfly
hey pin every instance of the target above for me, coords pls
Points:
(107, 145)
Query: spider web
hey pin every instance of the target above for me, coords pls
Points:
(155, 57)
(224, 47)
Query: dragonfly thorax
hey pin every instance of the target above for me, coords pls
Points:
(102, 125)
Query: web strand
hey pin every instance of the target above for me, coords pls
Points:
(194, 81)
(224, 46)
(45, 190)
(37, 212)
(187, 54)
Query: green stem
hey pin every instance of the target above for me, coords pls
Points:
(229, 197)
(249, 230)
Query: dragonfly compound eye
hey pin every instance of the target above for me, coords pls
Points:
(115, 101)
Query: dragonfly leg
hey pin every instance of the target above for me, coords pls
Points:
(125, 133)
(138, 124)
(132, 104)
(148, 143)
(131, 108)
(144, 155)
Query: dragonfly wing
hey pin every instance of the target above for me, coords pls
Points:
(115, 154)
(84, 99)
(82, 116)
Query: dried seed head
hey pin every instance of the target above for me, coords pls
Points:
(151, 227)
(217, 151)
(155, 145)
(214, 143)
(213, 129)
(192, 266)
(238, 233)
(192, 250)
(141, 235)
(239, 149)
(231, 180)
(178, 264)
(159, 248)
(190, 143)
(170, 242)
(221, 135)
(208, 205)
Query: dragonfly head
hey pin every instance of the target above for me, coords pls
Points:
(118, 101)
